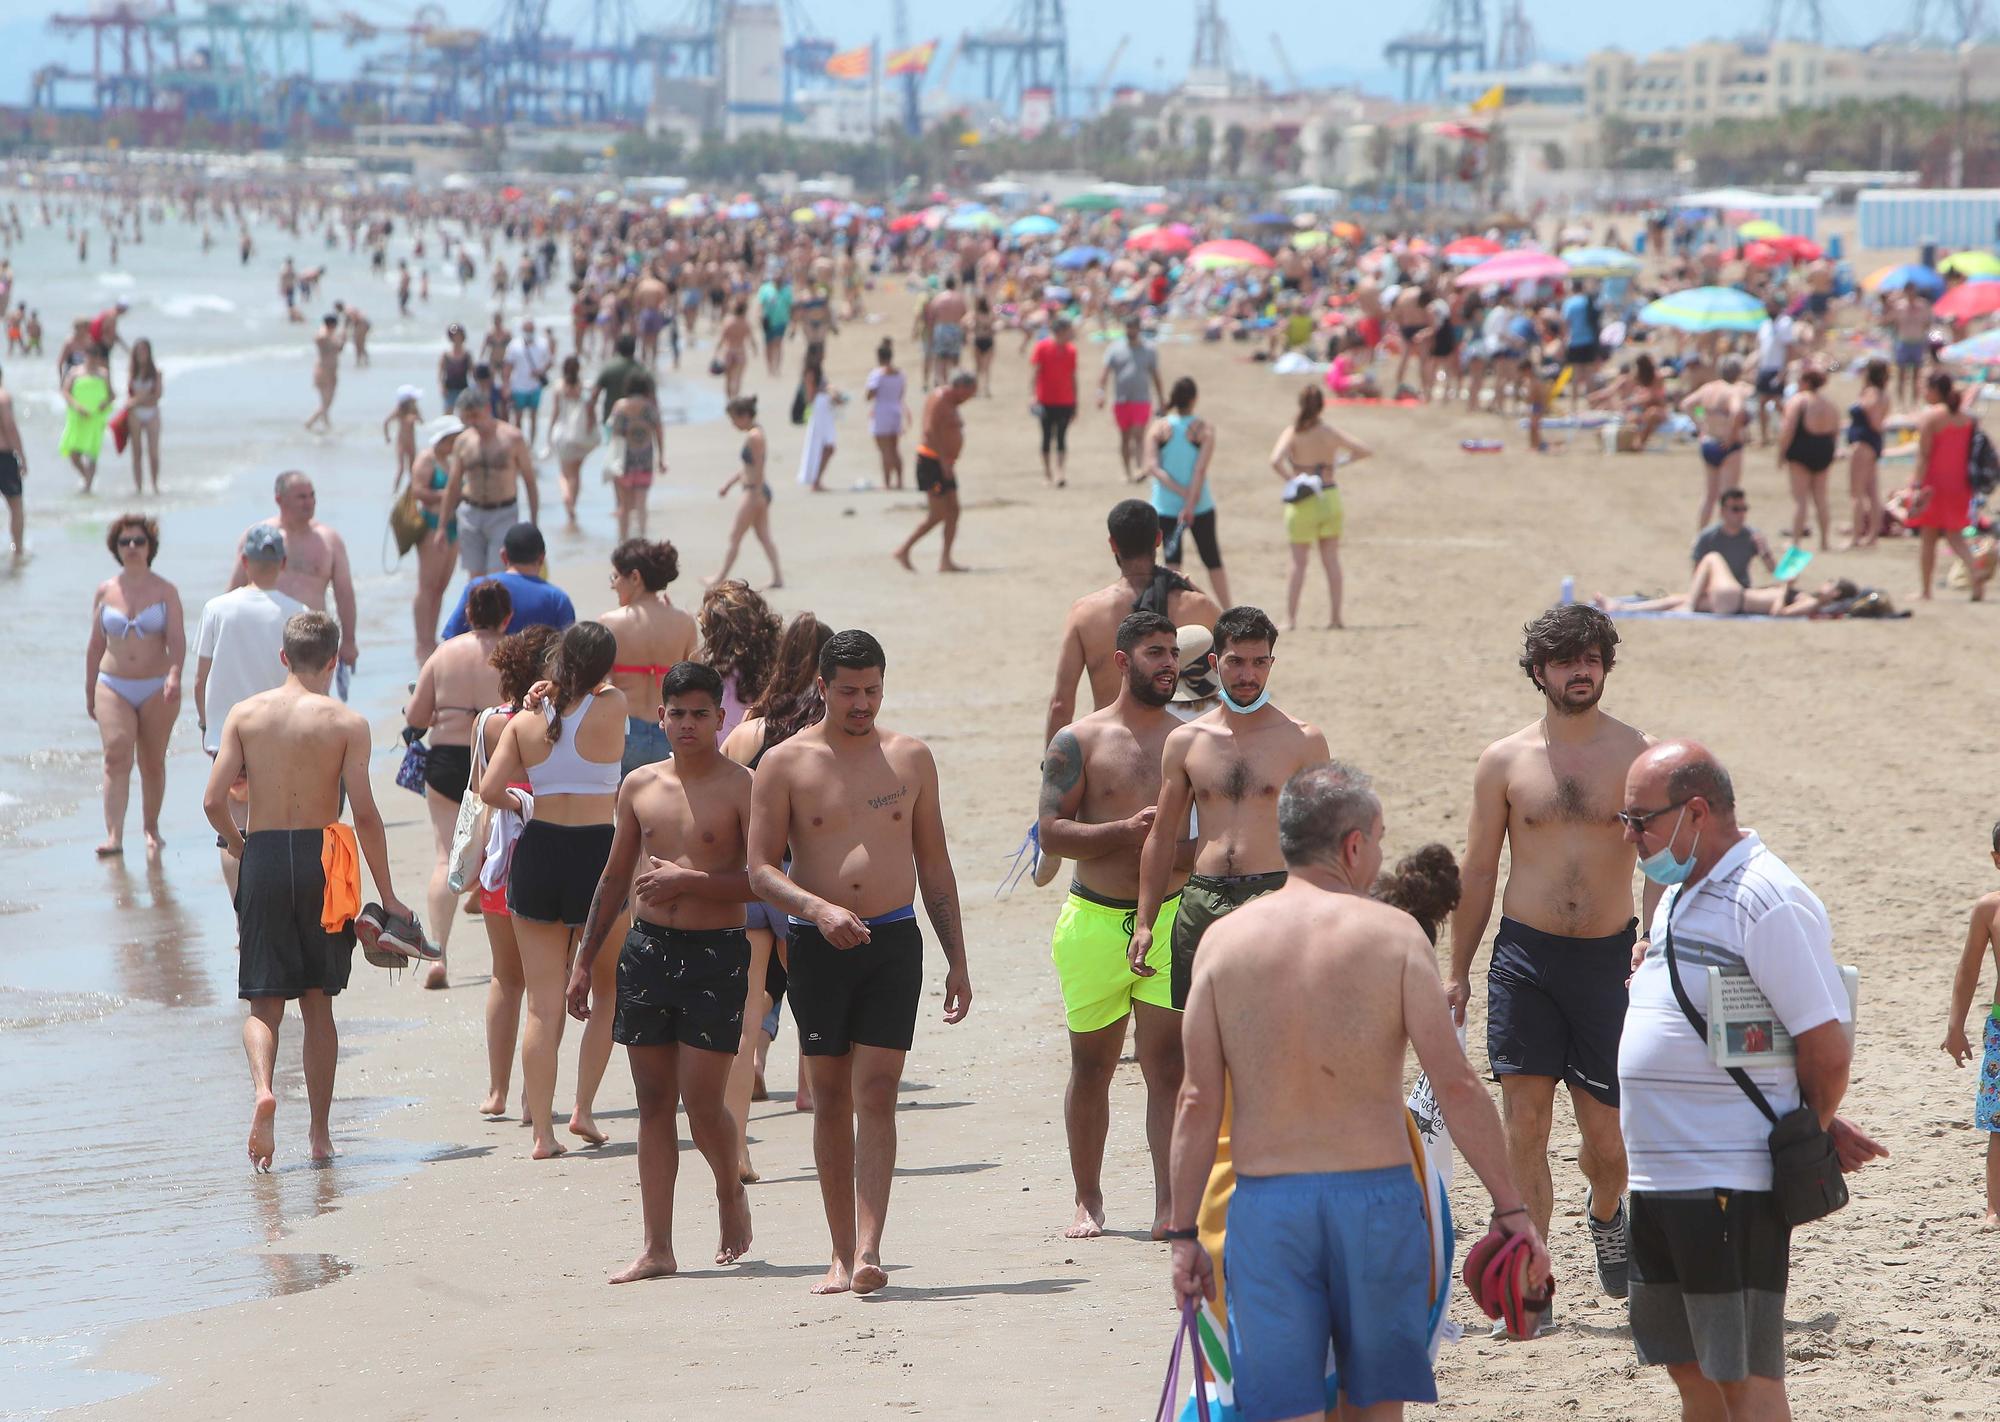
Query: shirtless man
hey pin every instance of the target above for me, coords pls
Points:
(1720, 406)
(326, 370)
(944, 325)
(1099, 781)
(859, 808)
(13, 469)
(299, 749)
(683, 971)
(1555, 991)
(355, 326)
(1091, 629)
(1318, 1131)
(1228, 765)
(1911, 324)
(937, 466)
(1413, 320)
(315, 564)
(489, 468)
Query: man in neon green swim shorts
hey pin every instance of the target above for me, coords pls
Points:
(1100, 782)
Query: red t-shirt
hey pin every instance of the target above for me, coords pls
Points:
(1055, 372)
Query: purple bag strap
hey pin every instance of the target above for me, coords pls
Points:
(1170, 1393)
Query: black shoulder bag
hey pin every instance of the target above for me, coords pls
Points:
(1805, 1167)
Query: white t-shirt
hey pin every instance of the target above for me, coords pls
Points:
(242, 631)
(1687, 1124)
(886, 412)
(526, 360)
(1774, 343)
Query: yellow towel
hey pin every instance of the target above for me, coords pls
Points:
(340, 862)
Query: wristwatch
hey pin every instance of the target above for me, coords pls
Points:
(1191, 1232)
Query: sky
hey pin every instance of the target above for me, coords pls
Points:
(1331, 50)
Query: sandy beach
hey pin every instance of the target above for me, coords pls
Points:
(475, 1286)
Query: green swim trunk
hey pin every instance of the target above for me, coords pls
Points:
(1091, 938)
(1204, 899)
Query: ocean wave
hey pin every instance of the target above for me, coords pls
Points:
(119, 281)
(24, 1009)
(202, 304)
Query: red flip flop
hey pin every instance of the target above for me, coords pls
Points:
(1496, 1275)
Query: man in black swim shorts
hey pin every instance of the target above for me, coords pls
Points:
(683, 972)
(859, 807)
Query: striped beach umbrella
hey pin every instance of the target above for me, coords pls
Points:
(1908, 274)
(1983, 349)
(1600, 262)
(1706, 308)
(1511, 268)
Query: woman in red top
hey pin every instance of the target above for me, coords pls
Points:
(1054, 359)
(1941, 494)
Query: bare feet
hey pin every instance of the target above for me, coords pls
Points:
(947, 566)
(1992, 1220)
(1160, 1213)
(263, 1132)
(586, 1128)
(757, 1089)
(746, 1172)
(903, 557)
(869, 1275)
(153, 842)
(646, 1266)
(1089, 1221)
(546, 1150)
(734, 1208)
(321, 1150)
(434, 976)
(110, 849)
(495, 1104)
(836, 1280)
(802, 1100)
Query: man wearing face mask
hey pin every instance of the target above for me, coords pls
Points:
(1229, 765)
(1556, 988)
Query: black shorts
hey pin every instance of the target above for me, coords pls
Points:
(555, 870)
(448, 769)
(10, 474)
(1709, 1272)
(281, 950)
(1771, 383)
(931, 477)
(1202, 527)
(1584, 355)
(1555, 1006)
(865, 995)
(1204, 899)
(682, 986)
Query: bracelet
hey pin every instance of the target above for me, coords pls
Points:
(1499, 1215)
(1192, 1232)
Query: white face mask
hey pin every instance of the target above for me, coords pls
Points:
(1263, 698)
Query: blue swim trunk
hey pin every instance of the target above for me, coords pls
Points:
(527, 399)
(1342, 1258)
(1986, 1114)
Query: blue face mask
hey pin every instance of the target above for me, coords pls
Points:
(1244, 710)
(1661, 868)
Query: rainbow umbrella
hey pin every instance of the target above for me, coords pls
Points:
(1035, 224)
(1983, 349)
(1909, 274)
(1511, 268)
(1971, 264)
(1599, 262)
(1759, 229)
(1228, 252)
(1706, 308)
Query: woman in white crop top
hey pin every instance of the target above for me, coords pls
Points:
(569, 753)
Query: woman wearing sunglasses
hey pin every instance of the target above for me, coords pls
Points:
(132, 677)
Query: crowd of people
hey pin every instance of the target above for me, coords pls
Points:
(669, 820)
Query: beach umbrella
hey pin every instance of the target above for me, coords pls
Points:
(1035, 224)
(562, 195)
(804, 214)
(743, 210)
(1346, 231)
(1159, 241)
(872, 212)
(977, 221)
(1969, 300)
(1470, 251)
(903, 222)
(1983, 349)
(1309, 241)
(1759, 229)
(1075, 258)
(934, 217)
(1155, 209)
(1089, 202)
(1599, 262)
(1271, 219)
(1228, 252)
(510, 193)
(1509, 268)
(1908, 274)
(1706, 308)
(1799, 249)
(1764, 254)
(1971, 264)
(607, 197)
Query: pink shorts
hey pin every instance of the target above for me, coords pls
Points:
(1131, 414)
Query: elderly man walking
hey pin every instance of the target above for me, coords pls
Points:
(1710, 1246)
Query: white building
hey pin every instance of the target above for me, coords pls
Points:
(752, 65)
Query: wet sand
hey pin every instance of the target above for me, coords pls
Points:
(1859, 751)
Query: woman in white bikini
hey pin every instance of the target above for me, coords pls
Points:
(142, 425)
(132, 677)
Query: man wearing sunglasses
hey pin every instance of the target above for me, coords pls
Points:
(1734, 539)
(1556, 986)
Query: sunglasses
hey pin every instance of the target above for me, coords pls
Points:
(138, 540)
(1637, 820)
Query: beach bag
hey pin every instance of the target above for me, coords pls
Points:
(1170, 1393)
(410, 774)
(614, 457)
(406, 520)
(1805, 1167)
(462, 869)
(1982, 463)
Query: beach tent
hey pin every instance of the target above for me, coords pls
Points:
(1798, 215)
(1310, 195)
(1965, 217)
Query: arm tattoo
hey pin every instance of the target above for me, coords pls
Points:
(1061, 769)
(944, 918)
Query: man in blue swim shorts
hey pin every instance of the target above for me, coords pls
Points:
(1306, 1000)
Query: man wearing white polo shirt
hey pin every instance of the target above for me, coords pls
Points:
(1710, 1252)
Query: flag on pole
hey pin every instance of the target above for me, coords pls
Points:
(1492, 99)
(851, 63)
(914, 60)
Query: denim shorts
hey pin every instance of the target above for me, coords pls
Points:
(645, 744)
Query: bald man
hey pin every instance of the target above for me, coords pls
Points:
(315, 565)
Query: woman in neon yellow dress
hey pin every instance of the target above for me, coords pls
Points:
(87, 393)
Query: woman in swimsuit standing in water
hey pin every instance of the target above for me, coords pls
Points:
(652, 634)
(132, 677)
(1807, 440)
(142, 425)
(635, 422)
(1305, 457)
(753, 514)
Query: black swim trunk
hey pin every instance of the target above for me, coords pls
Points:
(684, 986)
(1204, 899)
(1771, 382)
(10, 474)
(448, 770)
(931, 477)
(865, 995)
(555, 870)
(1584, 355)
(1555, 1006)
(280, 893)
(1709, 1273)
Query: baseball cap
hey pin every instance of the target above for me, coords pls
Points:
(264, 543)
(443, 427)
(1198, 681)
(408, 392)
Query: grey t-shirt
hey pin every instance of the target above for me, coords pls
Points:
(1131, 370)
(1738, 549)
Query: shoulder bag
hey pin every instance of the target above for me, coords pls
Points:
(1805, 1168)
(463, 869)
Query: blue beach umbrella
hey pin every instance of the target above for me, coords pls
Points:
(1911, 274)
(1706, 308)
(1035, 224)
(1076, 258)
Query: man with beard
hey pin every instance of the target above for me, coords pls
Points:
(1555, 992)
(1229, 765)
(1099, 781)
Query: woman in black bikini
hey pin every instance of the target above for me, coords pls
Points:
(753, 515)
(1807, 440)
(1865, 418)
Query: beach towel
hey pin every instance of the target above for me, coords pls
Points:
(340, 862)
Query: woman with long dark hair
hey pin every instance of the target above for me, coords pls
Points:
(143, 388)
(1305, 457)
(1941, 492)
(739, 638)
(1865, 420)
(1808, 436)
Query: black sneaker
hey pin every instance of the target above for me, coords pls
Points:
(1607, 1237)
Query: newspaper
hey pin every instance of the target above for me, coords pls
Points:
(1743, 1028)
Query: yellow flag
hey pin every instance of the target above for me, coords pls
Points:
(1492, 99)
